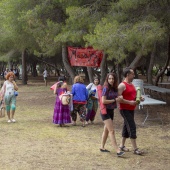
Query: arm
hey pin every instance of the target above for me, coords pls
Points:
(15, 86)
(104, 94)
(89, 86)
(64, 85)
(3, 90)
(55, 90)
(105, 101)
(121, 88)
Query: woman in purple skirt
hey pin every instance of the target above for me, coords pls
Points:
(61, 112)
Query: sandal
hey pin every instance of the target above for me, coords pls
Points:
(138, 152)
(123, 148)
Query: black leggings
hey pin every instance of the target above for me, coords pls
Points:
(129, 127)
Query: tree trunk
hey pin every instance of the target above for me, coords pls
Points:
(90, 74)
(34, 70)
(9, 64)
(24, 68)
(86, 73)
(119, 73)
(136, 62)
(66, 63)
(103, 69)
(151, 64)
(166, 64)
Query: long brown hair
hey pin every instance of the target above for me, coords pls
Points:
(115, 84)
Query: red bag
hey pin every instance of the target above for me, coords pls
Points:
(102, 106)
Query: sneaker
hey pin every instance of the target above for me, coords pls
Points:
(13, 120)
(9, 121)
(120, 154)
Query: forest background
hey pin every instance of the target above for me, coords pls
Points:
(131, 33)
(35, 34)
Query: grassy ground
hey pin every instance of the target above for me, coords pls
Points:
(34, 143)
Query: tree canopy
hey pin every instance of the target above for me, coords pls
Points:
(126, 30)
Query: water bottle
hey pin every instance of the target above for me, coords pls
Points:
(138, 95)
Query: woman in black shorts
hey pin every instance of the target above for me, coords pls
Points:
(109, 98)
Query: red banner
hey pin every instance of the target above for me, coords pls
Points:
(87, 57)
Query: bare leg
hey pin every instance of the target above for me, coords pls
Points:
(133, 141)
(83, 123)
(123, 142)
(136, 150)
(74, 123)
(122, 145)
(104, 137)
(8, 114)
(109, 125)
(12, 112)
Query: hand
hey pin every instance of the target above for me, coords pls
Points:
(68, 92)
(142, 98)
(119, 98)
(13, 82)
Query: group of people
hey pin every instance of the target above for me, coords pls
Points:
(85, 103)
(15, 71)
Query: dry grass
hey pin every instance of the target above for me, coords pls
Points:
(33, 142)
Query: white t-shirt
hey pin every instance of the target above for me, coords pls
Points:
(45, 73)
(92, 86)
